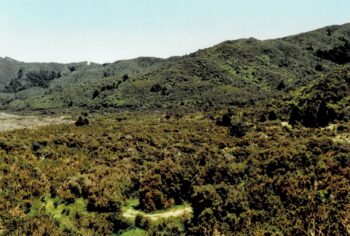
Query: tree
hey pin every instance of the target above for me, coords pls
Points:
(82, 121)
(239, 129)
(125, 77)
(95, 94)
(295, 116)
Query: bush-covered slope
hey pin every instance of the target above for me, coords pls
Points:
(321, 102)
(232, 73)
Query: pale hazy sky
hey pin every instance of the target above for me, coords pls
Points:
(109, 30)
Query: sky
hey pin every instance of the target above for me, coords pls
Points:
(110, 30)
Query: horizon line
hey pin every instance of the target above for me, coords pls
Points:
(6, 57)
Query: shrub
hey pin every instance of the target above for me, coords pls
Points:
(125, 77)
(95, 94)
(272, 115)
(82, 121)
(239, 129)
(142, 222)
(295, 116)
(156, 88)
(225, 119)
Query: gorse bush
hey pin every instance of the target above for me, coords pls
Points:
(272, 180)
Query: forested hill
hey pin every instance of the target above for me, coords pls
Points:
(239, 72)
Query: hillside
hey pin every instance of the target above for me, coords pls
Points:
(247, 137)
(232, 73)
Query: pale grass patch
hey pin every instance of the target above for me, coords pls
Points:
(184, 210)
(332, 127)
(286, 124)
(12, 122)
(342, 138)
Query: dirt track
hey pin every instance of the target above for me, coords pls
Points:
(132, 213)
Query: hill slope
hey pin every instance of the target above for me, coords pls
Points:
(232, 73)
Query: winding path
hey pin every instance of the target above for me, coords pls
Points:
(132, 213)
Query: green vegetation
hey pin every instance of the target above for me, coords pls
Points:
(82, 180)
(134, 232)
(240, 72)
(248, 137)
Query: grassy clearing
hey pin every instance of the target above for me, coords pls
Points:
(62, 213)
(134, 232)
(12, 122)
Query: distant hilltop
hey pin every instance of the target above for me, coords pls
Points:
(232, 73)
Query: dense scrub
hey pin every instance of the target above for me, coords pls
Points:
(322, 101)
(275, 179)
